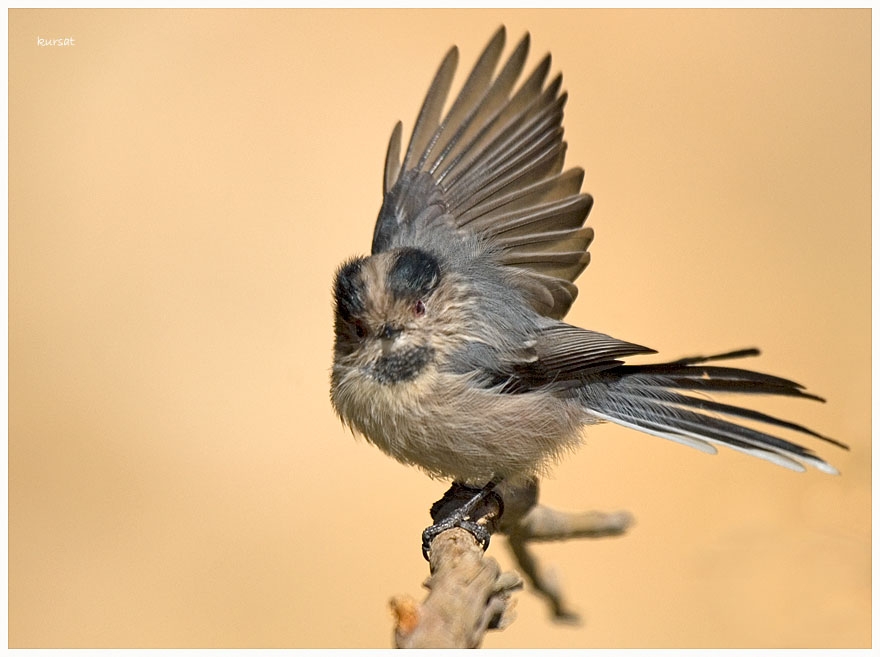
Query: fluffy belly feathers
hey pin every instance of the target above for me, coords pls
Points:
(452, 429)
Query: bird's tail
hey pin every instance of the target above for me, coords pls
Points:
(670, 400)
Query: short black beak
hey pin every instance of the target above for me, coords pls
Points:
(389, 332)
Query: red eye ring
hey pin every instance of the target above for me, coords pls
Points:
(419, 308)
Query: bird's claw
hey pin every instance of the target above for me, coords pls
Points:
(478, 531)
(475, 510)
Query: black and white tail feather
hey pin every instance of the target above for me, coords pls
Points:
(493, 166)
(652, 399)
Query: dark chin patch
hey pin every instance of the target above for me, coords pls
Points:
(402, 365)
(414, 274)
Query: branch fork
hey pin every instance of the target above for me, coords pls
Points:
(468, 594)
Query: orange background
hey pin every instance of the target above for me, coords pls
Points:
(182, 186)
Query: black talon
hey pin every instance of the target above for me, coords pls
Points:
(478, 531)
(451, 512)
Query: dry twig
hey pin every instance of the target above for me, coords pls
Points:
(468, 595)
(468, 592)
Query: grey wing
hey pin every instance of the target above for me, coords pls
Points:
(669, 400)
(493, 166)
(555, 357)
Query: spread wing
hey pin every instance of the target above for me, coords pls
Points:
(493, 165)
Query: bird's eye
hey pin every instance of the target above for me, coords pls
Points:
(360, 329)
(419, 308)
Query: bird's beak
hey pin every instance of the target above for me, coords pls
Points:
(388, 334)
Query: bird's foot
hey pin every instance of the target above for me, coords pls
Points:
(476, 510)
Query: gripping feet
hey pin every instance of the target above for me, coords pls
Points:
(475, 510)
(479, 532)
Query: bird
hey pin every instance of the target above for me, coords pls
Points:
(451, 353)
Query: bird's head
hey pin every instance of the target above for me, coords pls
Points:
(388, 307)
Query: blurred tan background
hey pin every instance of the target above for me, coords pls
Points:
(182, 186)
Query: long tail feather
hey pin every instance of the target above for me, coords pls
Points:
(653, 399)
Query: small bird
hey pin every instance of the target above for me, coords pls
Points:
(450, 350)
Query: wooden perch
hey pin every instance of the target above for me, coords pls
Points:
(468, 593)
(542, 523)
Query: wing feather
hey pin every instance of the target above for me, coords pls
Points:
(492, 166)
(432, 108)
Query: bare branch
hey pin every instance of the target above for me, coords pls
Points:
(542, 523)
(525, 521)
(468, 595)
(468, 592)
